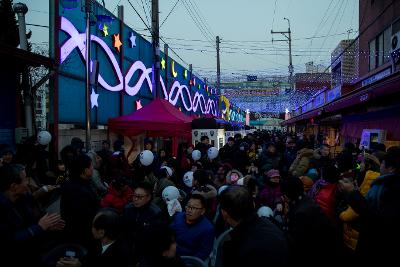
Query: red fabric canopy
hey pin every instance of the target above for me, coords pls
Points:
(159, 117)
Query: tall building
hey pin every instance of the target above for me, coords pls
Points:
(344, 63)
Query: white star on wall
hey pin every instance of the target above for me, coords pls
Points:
(132, 39)
(93, 99)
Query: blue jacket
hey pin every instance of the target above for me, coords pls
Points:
(193, 240)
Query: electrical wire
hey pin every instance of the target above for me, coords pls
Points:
(202, 18)
(137, 13)
(116, 6)
(145, 13)
(172, 9)
(198, 25)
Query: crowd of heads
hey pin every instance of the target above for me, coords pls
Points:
(260, 173)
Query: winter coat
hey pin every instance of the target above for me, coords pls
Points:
(227, 153)
(350, 218)
(345, 161)
(117, 254)
(135, 219)
(302, 162)
(370, 176)
(380, 219)
(193, 240)
(270, 196)
(255, 242)
(314, 237)
(78, 206)
(117, 200)
(326, 199)
(19, 231)
(269, 162)
(350, 234)
(288, 158)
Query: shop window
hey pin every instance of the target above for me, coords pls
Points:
(387, 44)
(379, 49)
(372, 55)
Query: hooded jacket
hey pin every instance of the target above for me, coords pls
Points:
(302, 162)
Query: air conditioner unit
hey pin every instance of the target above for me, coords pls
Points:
(395, 45)
(21, 134)
(395, 48)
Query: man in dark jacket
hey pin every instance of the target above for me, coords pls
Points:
(289, 156)
(111, 250)
(79, 203)
(203, 146)
(140, 214)
(227, 152)
(20, 231)
(379, 213)
(254, 241)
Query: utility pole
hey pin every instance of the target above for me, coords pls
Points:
(166, 48)
(121, 57)
(190, 83)
(218, 66)
(21, 9)
(156, 46)
(348, 33)
(288, 35)
(218, 74)
(88, 6)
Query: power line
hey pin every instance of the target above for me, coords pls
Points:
(197, 23)
(341, 16)
(319, 25)
(145, 13)
(162, 23)
(137, 13)
(273, 17)
(334, 20)
(116, 6)
(37, 25)
(201, 16)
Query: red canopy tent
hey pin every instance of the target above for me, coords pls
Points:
(157, 119)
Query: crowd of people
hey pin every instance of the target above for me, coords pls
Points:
(267, 199)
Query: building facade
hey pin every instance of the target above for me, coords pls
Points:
(365, 98)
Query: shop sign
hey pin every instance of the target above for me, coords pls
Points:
(377, 77)
(319, 100)
(334, 94)
(364, 97)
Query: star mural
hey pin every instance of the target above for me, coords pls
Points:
(132, 40)
(105, 30)
(138, 104)
(117, 42)
(93, 99)
(163, 63)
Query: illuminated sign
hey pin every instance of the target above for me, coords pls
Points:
(137, 72)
